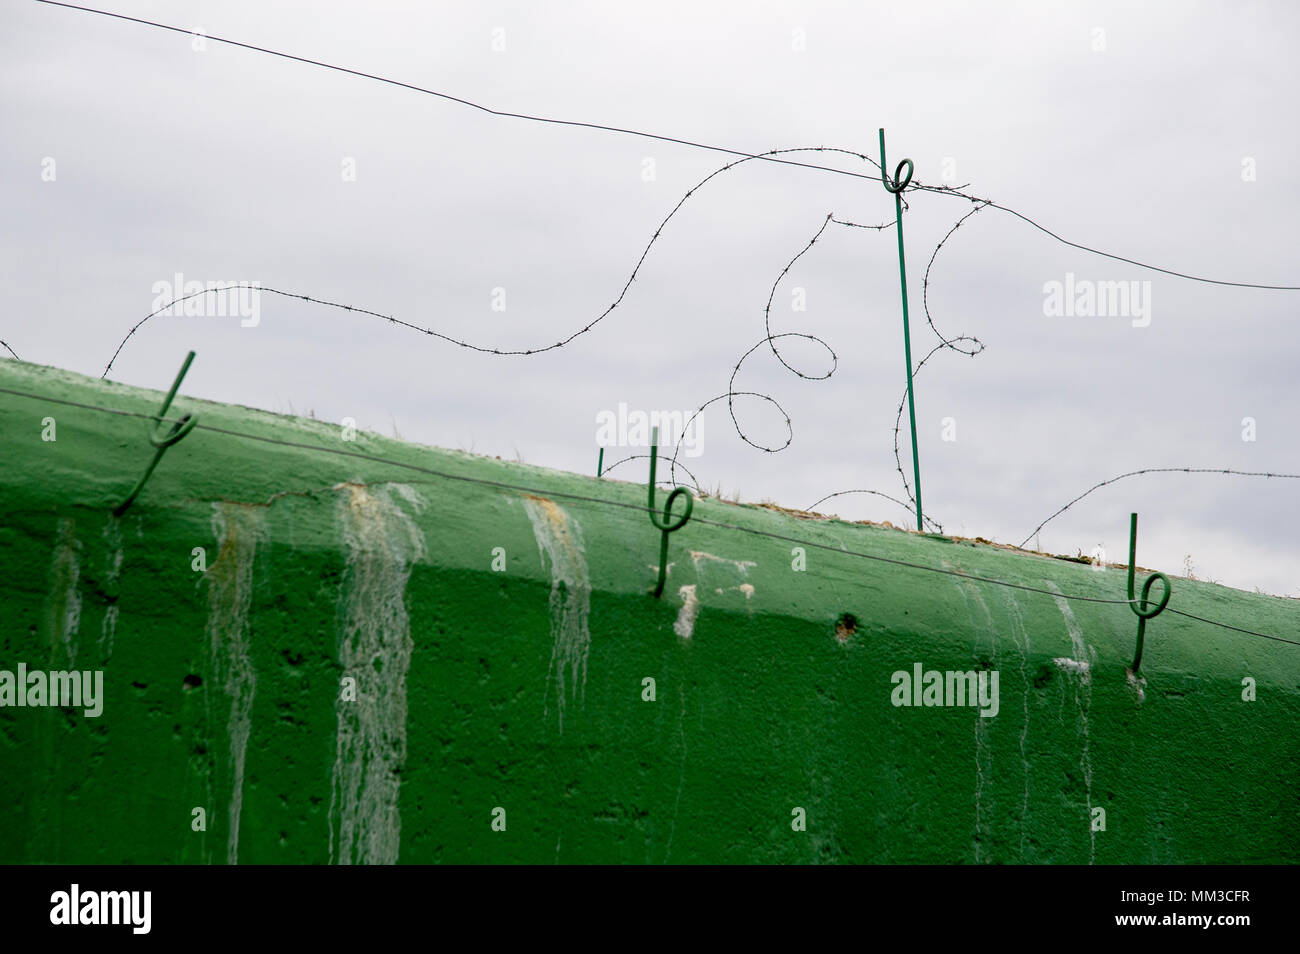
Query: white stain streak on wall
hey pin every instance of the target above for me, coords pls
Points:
(685, 623)
(690, 611)
(970, 594)
(63, 610)
(1082, 657)
(1076, 666)
(112, 570)
(382, 543)
(238, 530)
(1137, 684)
(559, 540)
(60, 621)
(1020, 636)
(746, 588)
(741, 565)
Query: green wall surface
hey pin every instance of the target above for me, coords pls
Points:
(497, 622)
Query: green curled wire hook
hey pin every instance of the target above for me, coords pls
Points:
(894, 185)
(667, 526)
(161, 440)
(1145, 608)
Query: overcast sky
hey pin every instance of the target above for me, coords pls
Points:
(1162, 132)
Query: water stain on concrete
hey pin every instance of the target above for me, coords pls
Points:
(238, 530)
(1079, 665)
(63, 605)
(685, 623)
(559, 542)
(381, 544)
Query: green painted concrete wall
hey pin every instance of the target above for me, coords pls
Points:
(523, 688)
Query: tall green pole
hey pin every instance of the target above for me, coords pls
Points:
(897, 187)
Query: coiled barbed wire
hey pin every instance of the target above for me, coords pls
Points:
(450, 339)
(951, 344)
(975, 346)
(730, 395)
(770, 340)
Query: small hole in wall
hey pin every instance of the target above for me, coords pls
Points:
(845, 626)
(191, 682)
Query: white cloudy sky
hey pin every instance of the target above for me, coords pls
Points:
(227, 165)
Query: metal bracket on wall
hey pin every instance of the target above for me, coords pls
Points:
(667, 526)
(1145, 608)
(160, 440)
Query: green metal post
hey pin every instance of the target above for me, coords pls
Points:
(897, 187)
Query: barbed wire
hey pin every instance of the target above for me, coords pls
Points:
(910, 508)
(604, 501)
(657, 234)
(771, 155)
(667, 482)
(975, 345)
(1155, 470)
(855, 225)
(729, 396)
(952, 344)
(981, 205)
(770, 340)
(767, 314)
(898, 424)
